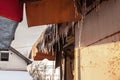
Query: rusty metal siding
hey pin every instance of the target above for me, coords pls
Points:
(101, 22)
(100, 60)
(50, 12)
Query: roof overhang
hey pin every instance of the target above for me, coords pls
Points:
(51, 12)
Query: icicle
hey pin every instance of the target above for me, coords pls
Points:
(80, 26)
(78, 7)
(73, 26)
(73, 23)
(57, 37)
(59, 45)
(52, 50)
(66, 31)
(62, 36)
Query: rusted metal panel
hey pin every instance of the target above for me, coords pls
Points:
(101, 62)
(101, 22)
(50, 12)
(97, 52)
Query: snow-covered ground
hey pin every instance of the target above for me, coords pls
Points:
(15, 75)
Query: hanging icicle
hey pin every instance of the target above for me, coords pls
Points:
(80, 26)
(78, 7)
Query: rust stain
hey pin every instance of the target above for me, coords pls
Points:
(82, 67)
(114, 61)
(114, 69)
(91, 62)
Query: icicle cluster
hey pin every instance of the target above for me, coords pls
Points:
(56, 34)
(53, 36)
(83, 7)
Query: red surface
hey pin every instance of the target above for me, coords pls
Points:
(41, 56)
(12, 9)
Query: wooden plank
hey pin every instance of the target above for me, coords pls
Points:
(41, 56)
(50, 12)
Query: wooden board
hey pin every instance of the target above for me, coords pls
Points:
(41, 56)
(50, 12)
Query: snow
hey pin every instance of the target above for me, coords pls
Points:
(44, 70)
(15, 75)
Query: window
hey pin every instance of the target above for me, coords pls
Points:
(4, 56)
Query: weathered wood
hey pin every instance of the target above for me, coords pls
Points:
(50, 12)
(41, 56)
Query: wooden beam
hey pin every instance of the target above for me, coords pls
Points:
(41, 56)
(51, 12)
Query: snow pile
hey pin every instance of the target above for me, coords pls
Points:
(42, 70)
(15, 75)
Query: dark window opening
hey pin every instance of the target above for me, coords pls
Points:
(89, 2)
(5, 56)
(87, 5)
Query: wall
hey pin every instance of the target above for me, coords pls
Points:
(102, 21)
(14, 63)
(101, 60)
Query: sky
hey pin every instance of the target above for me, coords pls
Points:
(26, 36)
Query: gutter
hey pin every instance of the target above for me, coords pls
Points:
(28, 61)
